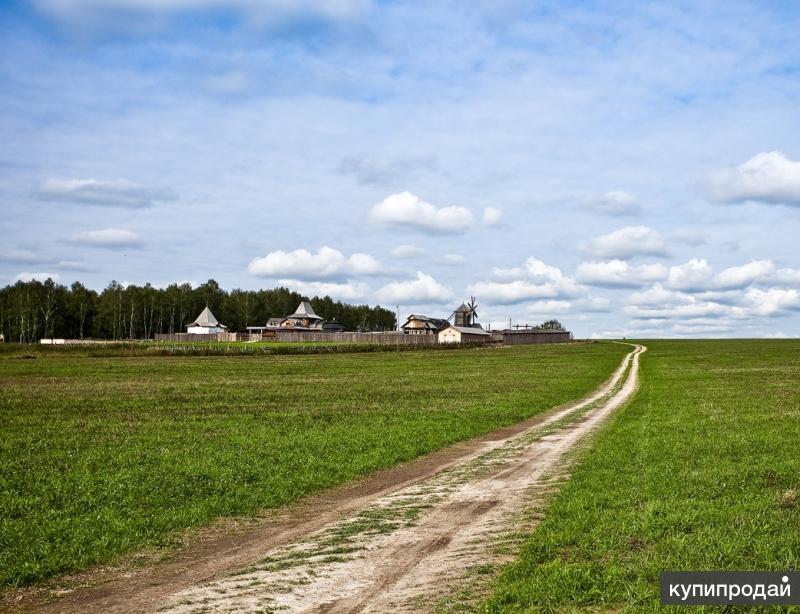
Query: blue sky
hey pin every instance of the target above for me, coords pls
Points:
(629, 168)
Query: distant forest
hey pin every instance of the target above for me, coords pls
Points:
(32, 310)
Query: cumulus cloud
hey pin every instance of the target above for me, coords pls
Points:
(533, 281)
(422, 289)
(345, 291)
(696, 274)
(326, 263)
(626, 243)
(407, 251)
(689, 308)
(492, 216)
(26, 276)
(787, 276)
(510, 292)
(408, 210)
(110, 238)
(615, 202)
(119, 193)
(619, 274)
(772, 301)
(712, 308)
(741, 276)
(769, 177)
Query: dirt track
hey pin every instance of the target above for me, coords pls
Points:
(401, 540)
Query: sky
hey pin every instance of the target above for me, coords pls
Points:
(629, 168)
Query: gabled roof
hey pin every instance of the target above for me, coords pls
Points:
(304, 310)
(428, 322)
(206, 318)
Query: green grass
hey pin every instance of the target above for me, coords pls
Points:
(697, 473)
(208, 348)
(102, 455)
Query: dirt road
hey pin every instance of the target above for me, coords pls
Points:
(406, 540)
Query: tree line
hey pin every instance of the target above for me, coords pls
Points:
(32, 310)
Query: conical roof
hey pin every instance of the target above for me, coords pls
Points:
(206, 318)
(305, 310)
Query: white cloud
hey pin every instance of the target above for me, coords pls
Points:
(615, 202)
(407, 210)
(119, 193)
(787, 276)
(656, 295)
(769, 177)
(626, 243)
(713, 309)
(692, 308)
(696, 274)
(346, 291)
(533, 281)
(772, 301)
(660, 302)
(26, 276)
(510, 292)
(407, 251)
(422, 289)
(619, 274)
(363, 264)
(741, 276)
(491, 216)
(301, 264)
(111, 238)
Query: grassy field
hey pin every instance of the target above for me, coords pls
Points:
(101, 455)
(700, 472)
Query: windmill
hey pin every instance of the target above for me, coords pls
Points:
(466, 314)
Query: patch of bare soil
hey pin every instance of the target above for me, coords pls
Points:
(401, 540)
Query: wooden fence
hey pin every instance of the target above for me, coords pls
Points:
(524, 337)
(387, 338)
(184, 337)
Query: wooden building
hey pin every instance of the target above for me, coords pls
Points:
(464, 334)
(302, 320)
(206, 324)
(417, 324)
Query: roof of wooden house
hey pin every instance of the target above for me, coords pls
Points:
(207, 319)
(436, 322)
(305, 310)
